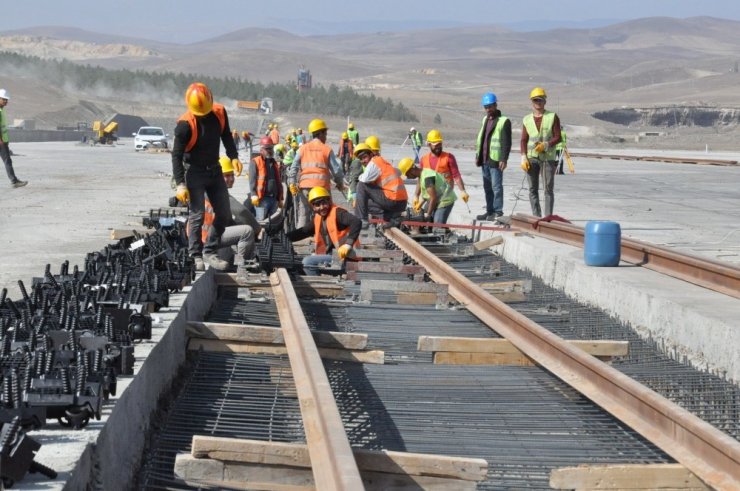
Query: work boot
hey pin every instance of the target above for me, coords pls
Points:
(482, 216)
(215, 262)
(19, 183)
(394, 222)
(199, 264)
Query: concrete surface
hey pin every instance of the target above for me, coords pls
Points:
(77, 193)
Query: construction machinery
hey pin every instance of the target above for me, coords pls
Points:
(104, 134)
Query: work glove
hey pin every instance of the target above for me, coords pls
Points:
(541, 147)
(182, 193)
(344, 251)
(464, 196)
(417, 205)
(238, 167)
(293, 189)
(255, 201)
(525, 163)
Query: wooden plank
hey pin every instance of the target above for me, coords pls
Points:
(507, 359)
(524, 286)
(296, 454)
(117, 234)
(485, 244)
(375, 357)
(496, 345)
(273, 335)
(626, 476)
(411, 298)
(332, 461)
(241, 475)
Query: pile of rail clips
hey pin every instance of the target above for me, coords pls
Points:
(63, 345)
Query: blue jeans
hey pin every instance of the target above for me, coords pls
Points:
(442, 214)
(269, 203)
(493, 187)
(311, 263)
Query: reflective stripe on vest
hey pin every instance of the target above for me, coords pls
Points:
(314, 165)
(494, 146)
(218, 110)
(442, 167)
(335, 235)
(543, 135)
(389, 180)
(261, 165)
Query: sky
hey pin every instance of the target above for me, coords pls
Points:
(187, 21)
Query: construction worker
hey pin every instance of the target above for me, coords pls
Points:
(353, 175)
(492, 155)
(235, 136)
(540, 135)
(415, 137)
(279, 151)
(560, 149)
(300, 137)
(236, 234)
(443, 162)
(353, 134)
(290, 154)
(436, 192)
(4, 142)
(332, 227)
(268, 130)
(275, 134)
(196, 169)
(247, 138)
(380, 189)
(265, 184)
(314, 166)
(345, 151)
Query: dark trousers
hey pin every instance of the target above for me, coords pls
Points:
(201, 181)
(5, 155)
(370, 199)
(545, 170)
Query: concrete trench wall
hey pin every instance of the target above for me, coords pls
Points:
(113, 460)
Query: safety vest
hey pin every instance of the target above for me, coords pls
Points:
(335, 235)
(445, 194)
(354, 135)
(443, 164)
(3, 127)
(289, 156)
(543, 135)
(218, 110)
(563, 140)
(261, 166)
(494, 147)
(275, 136)
(314, 165)
(208, 217)
(341, 147)
(389, 180)
(416, 138)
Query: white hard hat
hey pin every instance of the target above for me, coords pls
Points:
(4, 94)
(412, 129)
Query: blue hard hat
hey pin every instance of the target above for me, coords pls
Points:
(488, 99)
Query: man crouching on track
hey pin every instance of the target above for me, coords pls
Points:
(333, 227)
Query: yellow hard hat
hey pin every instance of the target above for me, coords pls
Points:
(225, 164)
(316, 125)
(316, 193)
(434, 136)
(199, 99)
(293, 144)
(373, 142)
(279, 147)
(537, 92)
(362, 147)
(351, 126)
(404, 165)
(344, 135)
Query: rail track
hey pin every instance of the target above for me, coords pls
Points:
(470, 392)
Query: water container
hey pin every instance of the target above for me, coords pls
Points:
(601, 243)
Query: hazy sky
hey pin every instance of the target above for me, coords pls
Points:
(185, 21)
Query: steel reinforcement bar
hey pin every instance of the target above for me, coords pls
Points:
(714, 275)
(332, 461)
(710, 454)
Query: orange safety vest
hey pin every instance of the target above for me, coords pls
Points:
(350, 147)
(208, 217)
(314, 165)
(261, 166)
(442, 167)
(389, 180)
(275, 136)
(218, 110)
(335, 235)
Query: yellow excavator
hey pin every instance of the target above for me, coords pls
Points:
(104, 134)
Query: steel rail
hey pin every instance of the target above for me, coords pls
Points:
(714, 275)
(710, 454)
(655, 158)
(332, 461)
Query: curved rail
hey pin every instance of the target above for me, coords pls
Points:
(332, 461)
(717, 276)
(710, 454)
